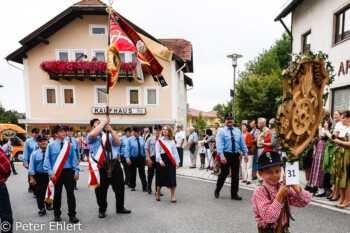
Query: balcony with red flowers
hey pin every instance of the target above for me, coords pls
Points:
(90, 70)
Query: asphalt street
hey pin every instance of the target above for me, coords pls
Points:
(196, 210)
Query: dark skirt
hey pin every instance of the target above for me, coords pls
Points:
(166, 176)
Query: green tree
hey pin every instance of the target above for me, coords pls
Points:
(7, 116)
(201, 124)
(222, 109)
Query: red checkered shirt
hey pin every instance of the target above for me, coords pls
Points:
(5, 168)
(267, 212)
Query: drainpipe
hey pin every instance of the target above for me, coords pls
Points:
(8, 62)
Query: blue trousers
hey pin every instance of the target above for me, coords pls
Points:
(5, 209)
(180, 151)
(255, 162)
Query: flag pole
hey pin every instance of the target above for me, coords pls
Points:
(109, 155)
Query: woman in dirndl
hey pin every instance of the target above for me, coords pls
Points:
(317, 173)
(168, 161)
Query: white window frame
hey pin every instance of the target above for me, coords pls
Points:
(128, 89)
(146, 96)
(74, 51)
(128, 56)
(62, 96)
(97, 104)
(99, 50)
(45, 87)
(62, 50)
(91, 26)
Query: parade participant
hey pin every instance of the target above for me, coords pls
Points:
(269, 198)
(192, 146)
(229, 141)
(5, 204)
(37, 176)
(208, 143)
(86, 150)
(151, 157)
(46, 133)
(62, 165)
(74, 142)
(121, 152)
(247, 165)
(180, 140)
(168, 161)
(317, 174)
(8, 149)
(255, 134)
(29, 146)
(341, 162)
(329, 153)
(146, 134)
(98, 177)
(202, 152)
(264, 131)
(136, 158)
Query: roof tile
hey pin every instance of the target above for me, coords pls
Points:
(195, 113)
(181, 47)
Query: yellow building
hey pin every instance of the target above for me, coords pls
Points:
(210, 117)
(75, 98)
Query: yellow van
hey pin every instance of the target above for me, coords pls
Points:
(17, 142)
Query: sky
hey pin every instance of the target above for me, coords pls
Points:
(215, 29)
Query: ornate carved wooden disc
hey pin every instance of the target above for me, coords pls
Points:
(302, 115)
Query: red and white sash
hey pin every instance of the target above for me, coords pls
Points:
(57, 169)
(94, 177)
(166, 147)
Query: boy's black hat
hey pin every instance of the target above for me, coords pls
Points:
(157, 127)
(127, 130)
(35, 130)
(269, 158)
(57, 128)
(41, 137)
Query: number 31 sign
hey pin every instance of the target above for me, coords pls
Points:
(292, 173)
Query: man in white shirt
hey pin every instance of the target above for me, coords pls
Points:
(146, 134)
(180, 140)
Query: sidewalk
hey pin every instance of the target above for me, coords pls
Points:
(208, 176)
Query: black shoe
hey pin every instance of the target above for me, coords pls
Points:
(328, 192)
(15, 173)
(216, 194)
(133, 189)
(149, 190)
(123, 211)
(73, 219)
(30, 190)
(75, 188)
(144, 189)
(308, 187)
(42, 212)
(236, 197)
(49, 207)
(319, 195)
(58, 218)
(102, 214)
(313, 189)
(34, 196)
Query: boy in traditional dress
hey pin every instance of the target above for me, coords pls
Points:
(272, 200)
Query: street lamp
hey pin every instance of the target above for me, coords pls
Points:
(234, 57)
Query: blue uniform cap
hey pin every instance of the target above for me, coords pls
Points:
(269, 158)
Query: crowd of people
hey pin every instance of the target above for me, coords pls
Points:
(327, 162)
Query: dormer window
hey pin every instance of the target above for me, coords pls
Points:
(98, 30)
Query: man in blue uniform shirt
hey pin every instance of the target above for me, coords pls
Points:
(117, 180)
(29, 147)
(74, 142)
(46, 133)
(136, 158)
(229, 141)
(69, 174)
(37, 176)
(121, 152)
